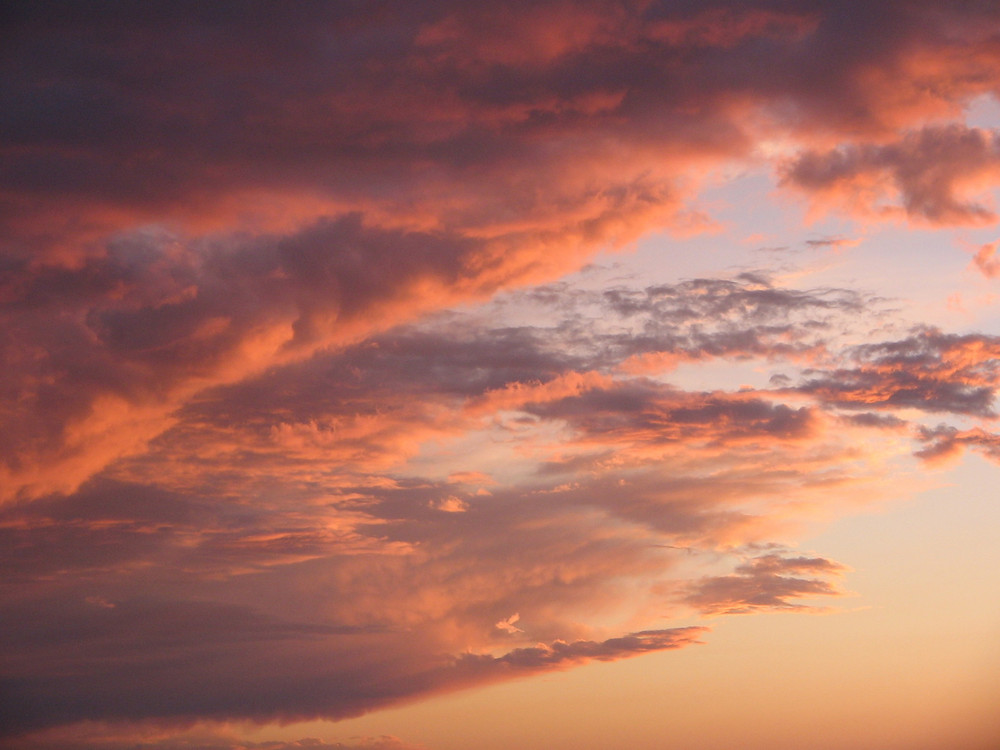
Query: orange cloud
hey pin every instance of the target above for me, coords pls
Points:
(944, 443)
(433, 172)
(986, 261)
(926, 176)
(929, 370)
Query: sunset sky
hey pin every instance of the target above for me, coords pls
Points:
(549, 375)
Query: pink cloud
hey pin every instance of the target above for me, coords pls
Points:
(929, 370)
(430, 167)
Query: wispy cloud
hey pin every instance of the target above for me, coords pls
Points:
(765, 583)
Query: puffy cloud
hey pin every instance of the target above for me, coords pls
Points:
(944, 443)
(291, 524)
(507, 624)
(929, 173)
(986, 261)
(308, 476)
(97, 374)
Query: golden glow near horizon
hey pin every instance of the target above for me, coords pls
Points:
(573, 375)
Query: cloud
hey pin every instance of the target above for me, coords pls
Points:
(291, 524)
(451, 504)
(246, 448)
(551, 110)
(765, 583)
(97, 375)
(834, 242)
(944, 443)
(986, 261)
(549, 656)
(926, 175)
(507, 625)
(324, 191)
(89, 737)
(929, 370)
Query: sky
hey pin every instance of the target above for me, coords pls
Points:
(436, 375)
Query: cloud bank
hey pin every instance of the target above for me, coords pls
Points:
(296, 412)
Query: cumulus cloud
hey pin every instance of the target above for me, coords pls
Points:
(419, 165)
(358, 472)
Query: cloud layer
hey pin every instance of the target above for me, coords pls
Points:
(433, 479)
(296, 413)
(182, 214)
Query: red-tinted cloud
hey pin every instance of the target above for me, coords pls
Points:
(986, 261)
(944, 443)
